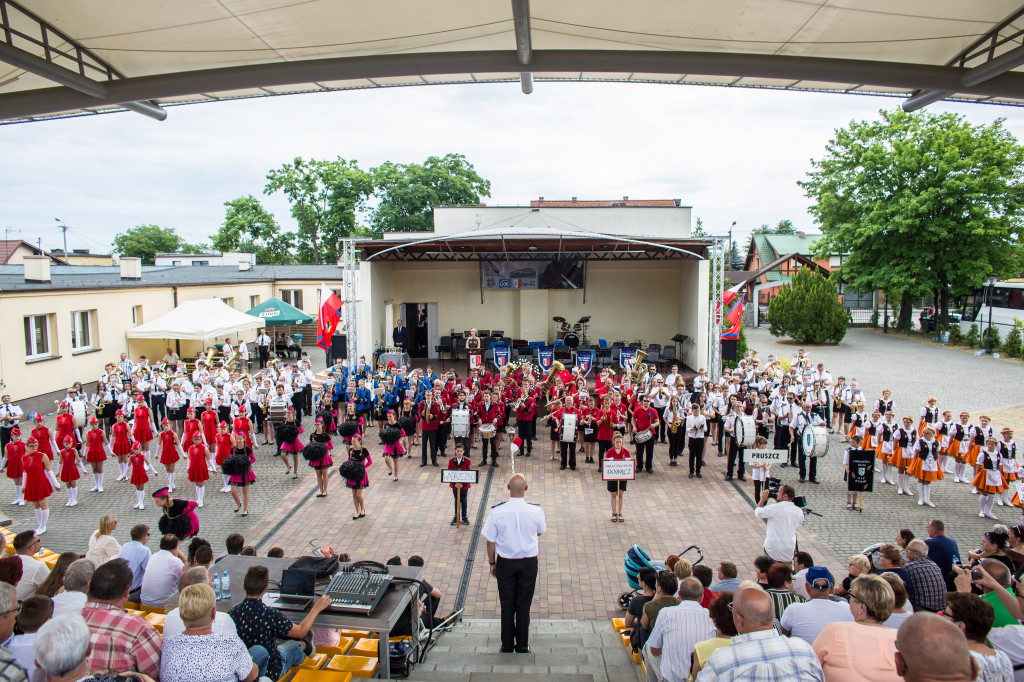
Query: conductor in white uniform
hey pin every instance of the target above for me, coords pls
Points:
(512, 529)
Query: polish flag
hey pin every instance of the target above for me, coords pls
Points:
(733, 305)
(330, 315)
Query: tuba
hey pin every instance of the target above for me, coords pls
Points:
(209, 356)
(639, 367)
(231, 360)
(556, 368)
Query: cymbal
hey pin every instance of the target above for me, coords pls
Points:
(556, 318)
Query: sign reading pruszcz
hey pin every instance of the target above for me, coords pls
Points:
(459, 476)
(767, 456)
(618, 470)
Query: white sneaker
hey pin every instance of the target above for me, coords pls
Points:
(75, 503)
(199, 504)
(41, 531)
(68, 503)
(93, 489)
(226, 489)
(135, 506)
(929, 503)
(981, 515)
(999, 501)
(15, 502)
(99, 490)
(21, 503)
(992, 516)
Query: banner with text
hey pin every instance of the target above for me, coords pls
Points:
(627, 358)
(459, 476)
(563, 273)
(584, 360)
(618, 469)
(862, 471)
(546, 357)
(767, 456)
(502, 355)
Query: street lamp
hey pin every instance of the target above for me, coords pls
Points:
(988, 342)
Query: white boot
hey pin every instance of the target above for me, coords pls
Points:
(999, 499)
(45, 516)
(922, 492)
(170, 481)
(199, 496)
(927, 487)
(138, 494)
(39, 519)
(99, 482)
(74, 496)
(988, 512)
(227, 483)
(17, 496)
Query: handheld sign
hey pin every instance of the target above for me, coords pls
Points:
(862, 471)
(1020, 490)
(459, 476)
(767, 456)
(618, 469)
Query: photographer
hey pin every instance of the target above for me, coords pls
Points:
(783, 519)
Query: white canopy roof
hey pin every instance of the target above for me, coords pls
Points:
(83, 57)
(197, 320)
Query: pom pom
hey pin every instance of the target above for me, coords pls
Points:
(348, 429)
(314, 451)
(236, 465)
(287, 432)
(352, 470)
(179, 526)
(407, 424)
(390, 435)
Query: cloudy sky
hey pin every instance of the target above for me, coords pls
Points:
(732, 154)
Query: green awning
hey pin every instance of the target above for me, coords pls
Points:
(275, 312)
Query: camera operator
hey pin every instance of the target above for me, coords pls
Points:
(783, 519)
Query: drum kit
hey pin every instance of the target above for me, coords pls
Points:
(572, 334)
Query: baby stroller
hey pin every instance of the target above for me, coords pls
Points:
(637, 558)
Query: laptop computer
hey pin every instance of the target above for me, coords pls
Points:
(297, 590)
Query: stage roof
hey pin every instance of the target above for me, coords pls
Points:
(73, 58)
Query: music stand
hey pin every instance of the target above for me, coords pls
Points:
(585, 320)
(679, 339)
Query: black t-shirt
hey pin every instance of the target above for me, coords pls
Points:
(636, 609)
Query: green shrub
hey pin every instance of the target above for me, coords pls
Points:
(874, 319)
(994, 332)
(808, 310)
(956, 337)
(972, 336)
(1013, 346)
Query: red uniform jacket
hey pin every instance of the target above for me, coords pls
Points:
(436, 415)
(464, 465)
(486, 414)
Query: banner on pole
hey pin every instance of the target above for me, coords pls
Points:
(584, 360)
(546, 357)
(627, 358)
(618, 469)
(502, 354)
(767, 456)
(862, 471)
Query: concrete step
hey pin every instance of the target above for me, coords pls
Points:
(562, 651)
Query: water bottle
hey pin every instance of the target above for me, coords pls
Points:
(225, 585)
(216, 585)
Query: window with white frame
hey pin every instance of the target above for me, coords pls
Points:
(254, 301)
(230, 300)
(136, 315)
(292, 297)
(37, 336)
(82, 329)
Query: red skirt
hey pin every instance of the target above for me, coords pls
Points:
(121, 448)
(68, 471)
(142, 432)
(93, 455)
(36, 487)
(139, 476)
(197, 471)
(14, 468)
(169, 455)
(979, 482)
(916, 469)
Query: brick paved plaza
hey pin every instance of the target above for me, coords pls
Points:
(582, 553)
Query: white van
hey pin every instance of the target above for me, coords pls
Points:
(1007, 302)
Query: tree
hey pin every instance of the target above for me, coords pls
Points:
(919, 204)
(409, 193)
(784, 227)
(325, 198)
(808, 310)
(250, 228)
(698, 228)
(145, 241)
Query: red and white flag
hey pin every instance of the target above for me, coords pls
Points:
(330, 316)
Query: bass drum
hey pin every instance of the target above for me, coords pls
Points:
(746, 431)
(572, 340)
(815, 441)
(460, 423)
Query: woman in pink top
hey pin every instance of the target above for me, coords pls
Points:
(864, 650)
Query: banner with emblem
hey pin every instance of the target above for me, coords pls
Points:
(627, 358)
(584, 360)
(546, 357)
(502, 354)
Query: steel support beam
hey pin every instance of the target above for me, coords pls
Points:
(717, 264)
(781, 67)
(526, 82)
(524, 41)
(27, 61)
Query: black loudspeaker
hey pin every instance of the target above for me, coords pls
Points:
(339, 347)
(728, 349)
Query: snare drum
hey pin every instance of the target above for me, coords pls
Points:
(487, 430)
(815, 441)
(568, 428)
(460, 423)
(745, 430)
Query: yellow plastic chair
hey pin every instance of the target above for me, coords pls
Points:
(344, 644)
(133, 605)
(357, 666)
(356, 634)
(364, 647)
(314, 662)
(156, 620)
(151, 609)
(618, 624)
(625, 640)
(309, 675)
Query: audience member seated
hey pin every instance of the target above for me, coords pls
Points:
(801, 562)
(761, 565)
(199, 653)
(276, 553)
(901, 609)
(102, 545)
(248, 551)
(806, 620)
(904, 537)
(55, 580)
(859, 565)
(927, 586)
(780, 588)
(664, 596)
(193, 548)
(932, 648)
(429, 594)
(137, 555)
(10, 668)
(647, 577)
(999, 575)
(993, 546)
(34, 612)
(260, 626)
(721, 616)
(682, 570)
(62, 649)
(975, 617)
(33, 571)
(11, 569)
(890, 560)
(234, 543)
(162, 573)
(727, 580)
(703, 573)
(865, 649)
(173, 623)
(759, 652)
(942, 549)
(676, 632)
(120, 641)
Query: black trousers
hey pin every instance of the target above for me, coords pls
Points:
(675, 442)
(517, 579)
(696, 454)
(661, 423)
(463, 441)
(781, 437)
(5, 438)
(224, 414)
(803, 462)
(493, 444)
(526, 433)
(459, 504)
(264, 352)
(158, 403)
(568, 451)
(603, 446)
(735, 455)
(645, 454)
(298, 403)
(757, 490)
(257, 415)
(307, 396)
(429, 440)
(442, 438)
(794, 451)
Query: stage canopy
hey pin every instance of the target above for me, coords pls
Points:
(274, 312)
(79, 58)
(197, 320)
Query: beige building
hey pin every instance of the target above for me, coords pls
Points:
(13, 252)
(66, 322)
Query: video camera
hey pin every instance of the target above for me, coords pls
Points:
(774, 484)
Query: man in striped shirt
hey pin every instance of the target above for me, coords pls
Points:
(759, 653)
